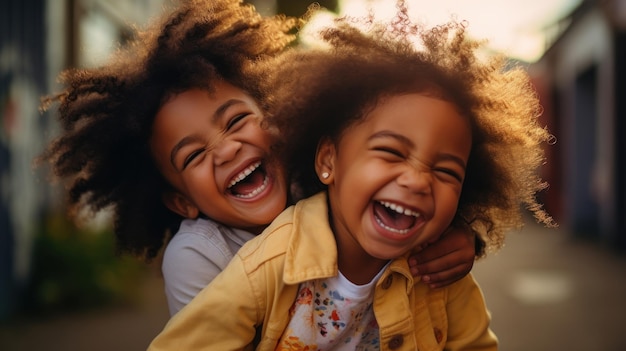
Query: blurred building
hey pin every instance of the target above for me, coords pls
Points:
(38, 39)
(23, 78)
(582, 83)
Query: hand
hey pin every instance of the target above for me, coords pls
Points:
(447, 260)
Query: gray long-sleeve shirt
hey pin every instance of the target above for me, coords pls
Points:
(197, 253)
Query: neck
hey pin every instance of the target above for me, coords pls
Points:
(356, 264)
(256, 230)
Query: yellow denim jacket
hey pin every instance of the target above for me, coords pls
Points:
(260, 284)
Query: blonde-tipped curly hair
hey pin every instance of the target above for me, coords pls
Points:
(317, 93)
(106, 113)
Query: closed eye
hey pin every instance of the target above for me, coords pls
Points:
(389, 151)
(236, 119)
(449, 172)
(192, 156)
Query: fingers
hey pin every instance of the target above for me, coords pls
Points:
(454, 240)
(435, 266)
(447, 277)
(446, 260)
(443, 270)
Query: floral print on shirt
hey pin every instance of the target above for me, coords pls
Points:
(323, 319)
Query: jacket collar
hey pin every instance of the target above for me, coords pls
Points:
(312, 250)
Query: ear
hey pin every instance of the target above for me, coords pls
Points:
(179, 204)
(325, 160)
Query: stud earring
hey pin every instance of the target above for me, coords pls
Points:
(325, 175)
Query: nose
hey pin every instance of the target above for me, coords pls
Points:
(416, 180)
(226, 150)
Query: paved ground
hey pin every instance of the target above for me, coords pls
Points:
(119, 328)
(545, 291)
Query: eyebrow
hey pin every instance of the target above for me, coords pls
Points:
(406, 141)
(217, 115)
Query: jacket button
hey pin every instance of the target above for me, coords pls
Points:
(387, 283)
(395, 342)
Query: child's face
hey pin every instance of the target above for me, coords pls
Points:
(213, 151)
(396, 177)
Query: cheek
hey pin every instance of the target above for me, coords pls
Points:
(206, 197)
(200, 180)
(448, 204)
(260, 137)
(355, 188)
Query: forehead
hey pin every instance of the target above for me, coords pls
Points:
(415, 115)
(198, 104)
(210, 94)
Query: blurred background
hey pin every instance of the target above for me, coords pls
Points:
(62, 287)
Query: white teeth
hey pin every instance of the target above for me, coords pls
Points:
(255, 191)
(394, 230)
(399, 209)
(242, 175)
(246, 172)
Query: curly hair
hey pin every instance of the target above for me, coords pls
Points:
(106, 113)
(317, 93)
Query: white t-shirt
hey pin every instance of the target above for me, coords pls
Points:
(333, 314)
(197, 253)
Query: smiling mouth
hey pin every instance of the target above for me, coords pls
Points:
(250, 182)
(394, 217)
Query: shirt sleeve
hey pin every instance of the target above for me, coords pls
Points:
(222, 317)
(190, 262)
